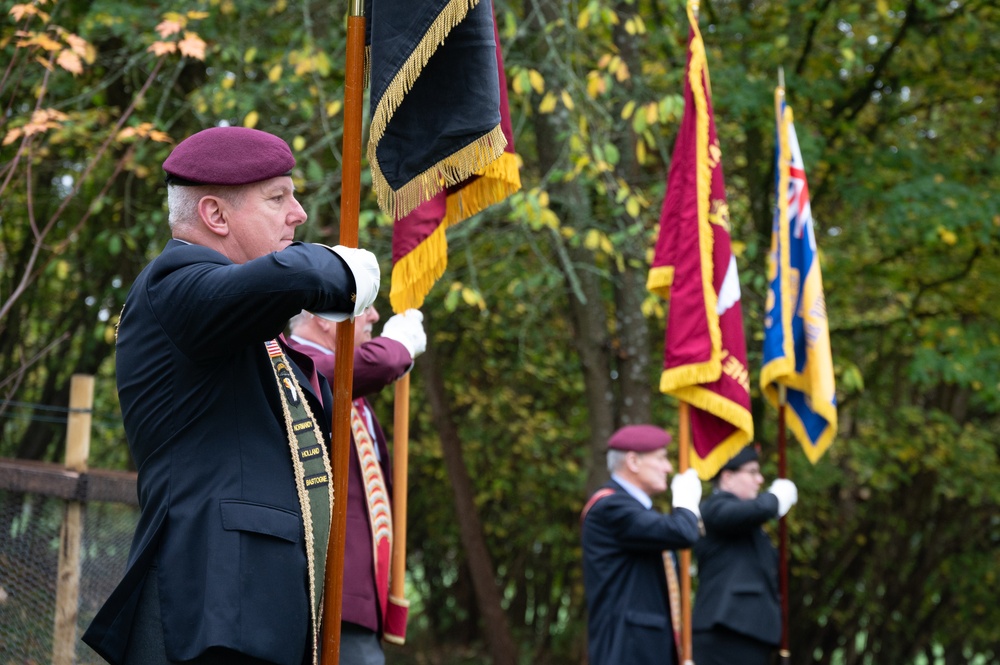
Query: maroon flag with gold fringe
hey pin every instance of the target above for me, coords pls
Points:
(704, 359)
(419, 244)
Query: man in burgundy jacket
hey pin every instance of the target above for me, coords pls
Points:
(377, 363)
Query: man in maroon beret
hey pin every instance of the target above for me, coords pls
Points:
(627, 564)
(737, 614)
(228, 427)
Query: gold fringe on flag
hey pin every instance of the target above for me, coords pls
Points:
(494, 183)
(455, 168)
(414, 275)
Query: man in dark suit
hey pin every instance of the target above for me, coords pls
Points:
(228, 429)
(626, 562)
(378, 362)
(737, 612)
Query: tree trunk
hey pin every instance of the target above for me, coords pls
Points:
(496, 629)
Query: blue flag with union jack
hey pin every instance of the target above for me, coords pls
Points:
(797, 351)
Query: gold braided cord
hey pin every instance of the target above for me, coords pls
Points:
(300, 489)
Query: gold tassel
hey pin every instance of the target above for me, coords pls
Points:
(414, 275)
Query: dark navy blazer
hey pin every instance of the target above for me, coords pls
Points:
(626, 584)
(738, 568)
(220, 515)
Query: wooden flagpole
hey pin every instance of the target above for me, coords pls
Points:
(350, 206)
(784, 651)
(683, 463)
(400, 468)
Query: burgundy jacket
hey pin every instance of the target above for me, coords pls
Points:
(377, 364)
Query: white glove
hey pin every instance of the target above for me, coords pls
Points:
(407, 329)
(364, 266)
(686, 491)
(787, 494)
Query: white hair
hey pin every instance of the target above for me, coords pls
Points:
(616, 459)
(298, 320)
(182, 201)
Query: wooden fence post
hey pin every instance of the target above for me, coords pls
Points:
(81, 404)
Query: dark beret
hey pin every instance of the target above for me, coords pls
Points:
(748, 454)
(228, 156)
(639, 438)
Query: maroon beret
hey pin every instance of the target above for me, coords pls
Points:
(228, 156)
(639, 438)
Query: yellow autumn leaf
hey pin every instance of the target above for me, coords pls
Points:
(567, 100)
(630, 27)
(11, 136)
(70, 62)
(333, 108)
(20, 11)
(947, 236)
(196, 15)
(652, 112)
(250, 54)
(192, 46)
(537, 81)
(274, 74)
(628, 109)
(298, 143)
(621, 72)
(167, 28)
(640, 152)
(77, 43)
(596, 85)
(550, 219)
(592, 240)
(632, 206)
(251, 119)
(548, 104)
(162, 48)
(583, 19)
(228, 82)
(47, 42)
(470, 297)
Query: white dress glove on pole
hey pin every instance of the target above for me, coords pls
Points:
(407, 329)
(685, 489)
(787, 493)
(364, 266)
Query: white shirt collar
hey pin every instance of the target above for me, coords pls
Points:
(306, 342)
(636, 493)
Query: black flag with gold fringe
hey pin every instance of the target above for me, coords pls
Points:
(435, 102)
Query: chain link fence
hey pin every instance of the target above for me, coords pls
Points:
(30, 527)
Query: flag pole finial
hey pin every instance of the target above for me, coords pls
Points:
(781, 77)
